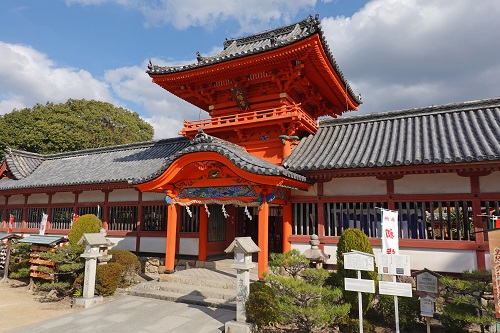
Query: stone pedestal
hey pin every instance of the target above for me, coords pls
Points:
(87, 302)
(237, 327)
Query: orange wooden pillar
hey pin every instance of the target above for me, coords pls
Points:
(263, 238)
(203, 234)
(287, 226)
(171, 239)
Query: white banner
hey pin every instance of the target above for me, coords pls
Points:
(390, 232)
(43, 224)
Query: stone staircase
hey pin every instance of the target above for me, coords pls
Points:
(213, 285)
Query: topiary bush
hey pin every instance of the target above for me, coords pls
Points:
(108, 278)
(131, 265)
(351, 325)
(354, 239)
(85, 224)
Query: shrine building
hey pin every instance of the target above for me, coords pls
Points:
(274, 161)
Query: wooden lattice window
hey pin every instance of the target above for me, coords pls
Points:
(154, 218)
(34, 217)
(122, 218)
(61, 218)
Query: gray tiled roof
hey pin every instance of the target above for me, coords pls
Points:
(236, 154)
(133, 163)
(450, 133)
(262, 42)
(94, 166)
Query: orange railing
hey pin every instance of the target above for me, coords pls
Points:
(282, 113)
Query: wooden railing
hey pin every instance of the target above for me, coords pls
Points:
(292, 112)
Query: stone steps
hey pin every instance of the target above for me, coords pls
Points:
(213, 287)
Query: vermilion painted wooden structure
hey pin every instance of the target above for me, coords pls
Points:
(263, 102)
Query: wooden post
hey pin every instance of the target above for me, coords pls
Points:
(171, 239)
(263, 237)
(287, 226)
(203, 235)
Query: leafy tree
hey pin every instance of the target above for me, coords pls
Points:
(464, 304)
(74, 125)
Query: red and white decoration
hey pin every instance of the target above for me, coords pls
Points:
(390, 232)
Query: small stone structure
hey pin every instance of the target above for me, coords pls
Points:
(94, 248)
(243, 248)
(315, 254)
(5, 253)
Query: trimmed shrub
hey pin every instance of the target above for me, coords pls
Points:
(108, 278)
(261, 309)
(353, 239)
(131, 265)
(85, 224)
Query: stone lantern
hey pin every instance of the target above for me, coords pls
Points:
(315, 254)
(243, 248)
(93, 250)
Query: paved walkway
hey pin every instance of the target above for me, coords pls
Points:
(140, 314)
(137, 314)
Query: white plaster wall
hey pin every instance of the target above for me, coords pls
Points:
(63, 197)
(439, 260)
(311, 192)
(16, 200)
(153, 244)
(123, 243)
(432, 184)
(91, 196)
(189, 246)
(355, 186)
(152, 196)
(490, 183)
(488, 260)
(38, 198)
(124, 195)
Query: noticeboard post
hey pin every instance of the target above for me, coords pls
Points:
(359, 261)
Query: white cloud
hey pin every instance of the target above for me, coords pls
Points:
(28, 77)
(165, 112)
(251, 15)
(409, 53)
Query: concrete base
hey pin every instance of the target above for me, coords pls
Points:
(87, 302)
(237, 327)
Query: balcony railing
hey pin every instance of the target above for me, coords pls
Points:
(287, 112)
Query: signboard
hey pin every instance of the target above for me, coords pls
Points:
(427, 306)
(394, 288)
(360, 285)
(390, 232)
(393, 264)
(427, 283)
(494, 243)
(359, 261)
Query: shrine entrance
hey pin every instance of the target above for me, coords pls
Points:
(247, 226)
(246, 193)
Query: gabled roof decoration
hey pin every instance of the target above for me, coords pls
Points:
(451, 133)
(236, 154)
(21, 163)
(262, 42)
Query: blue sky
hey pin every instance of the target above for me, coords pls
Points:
(396, 53)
